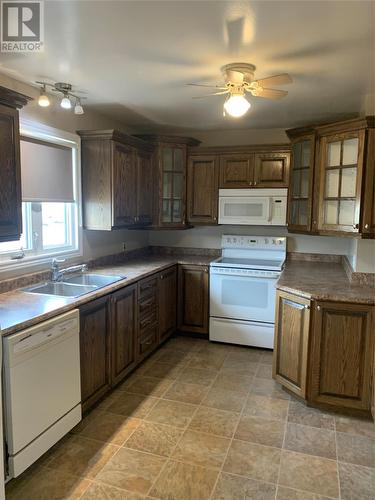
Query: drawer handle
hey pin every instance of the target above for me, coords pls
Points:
(148, 285)
(147, 303)
(318, 308)
(308, 307)
(146, 323)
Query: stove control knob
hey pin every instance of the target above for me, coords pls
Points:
(266, 241)
(273, 242)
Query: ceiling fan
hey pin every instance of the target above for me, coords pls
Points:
(239, 79)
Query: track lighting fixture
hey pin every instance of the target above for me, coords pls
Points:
(66, 101)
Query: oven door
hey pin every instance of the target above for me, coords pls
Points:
(253, 210)
(242, 297)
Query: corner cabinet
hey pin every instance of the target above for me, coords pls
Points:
(202, 189)
(170, 160)
(116, 174)
(10, 167)
(193, 299)
(331, 189)
(324, 352)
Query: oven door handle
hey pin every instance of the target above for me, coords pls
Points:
(270, 209)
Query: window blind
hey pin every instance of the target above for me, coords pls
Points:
(46, 171)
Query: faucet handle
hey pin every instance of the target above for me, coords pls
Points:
(58, 260)
(84, 268)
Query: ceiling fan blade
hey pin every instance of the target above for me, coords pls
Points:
(268, 93)
(209, 95)
(283, 79)
(204, 85)
(234, 76)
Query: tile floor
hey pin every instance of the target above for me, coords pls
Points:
(205, 421)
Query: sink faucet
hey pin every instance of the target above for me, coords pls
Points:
(58, 274)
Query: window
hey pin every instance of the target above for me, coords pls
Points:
(50, 194)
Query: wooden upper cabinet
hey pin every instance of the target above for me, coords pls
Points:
(342, 355)
(116, 171)
(271, 170)
(193, 298)
(301, 184)
(202, 189)
(167, 302)
(236, 171)
(340, 186)
(10, 167)
(368, 204)
(124, 189)
(291, 342)
(123, 332)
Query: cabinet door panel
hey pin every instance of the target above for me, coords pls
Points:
(10, 175)
(291, 342)
(124, 331)
(202, 189)
(342, 355)
(193, 299)
(124, 186)
(167, 295)
(95, 351)
(236, 171)
(271, 170)
(144, 188)
(368, 214)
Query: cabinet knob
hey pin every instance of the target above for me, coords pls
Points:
(366, 226)
(215, 218)
(161, 276)
(318, 308)
(314, 222)
(355, 226)
(307, 306)
(255, 183)
(250, 183)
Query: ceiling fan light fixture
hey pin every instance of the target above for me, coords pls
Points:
(78, 109)
(236, 106)
(66, 103)
(43, 99)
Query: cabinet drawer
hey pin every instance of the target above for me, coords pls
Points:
(148, 321)
(147, 341)
(145, 306)
(147, 287)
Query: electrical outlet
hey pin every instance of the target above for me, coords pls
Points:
(124, 247)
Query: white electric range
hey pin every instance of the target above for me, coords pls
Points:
(242, 289)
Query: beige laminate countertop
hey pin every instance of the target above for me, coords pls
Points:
(19, 310)
(323, 281)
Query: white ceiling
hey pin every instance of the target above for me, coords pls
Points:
(132, 59)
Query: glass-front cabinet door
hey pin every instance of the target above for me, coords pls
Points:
(341, 163)
(301, 184)
(173, 171)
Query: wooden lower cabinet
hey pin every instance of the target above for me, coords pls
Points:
(95, 345)
(291, 342)
(342, 355)
(328, 358)
(123, 332)
(193, 298)
(167, 300)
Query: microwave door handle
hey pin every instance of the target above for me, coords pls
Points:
(270, 210)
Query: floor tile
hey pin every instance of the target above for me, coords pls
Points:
(244, 355)
(214, 421)
(201, 449)
(207, 360)
(107, 427)
(290, 494)
(268, 388)
(266, 357)
(261, 430)
(302, 414)
(172, 357)
(48, 484)
(231, 382)
(154, 438)
(80, 456)
(198, 376)
(172, 413)
(149, 386)
(105, 492)
(132, 405)
(230, 487)
(313, 474)
(356, 482)
(253, 460)
(186, 393)
(239, 369)
(264, 371)
(180, 481)
(357, 426)
(264, 406)
(132, 470)
(185, 344)
(310, 440)
(163, 370)
(225, 400)
(355, 449)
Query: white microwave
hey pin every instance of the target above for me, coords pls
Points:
(261, 207)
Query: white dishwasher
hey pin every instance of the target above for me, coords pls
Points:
(42, 388)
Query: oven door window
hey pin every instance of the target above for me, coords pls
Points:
(242, 293)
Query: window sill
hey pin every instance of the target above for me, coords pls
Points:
(29, 264)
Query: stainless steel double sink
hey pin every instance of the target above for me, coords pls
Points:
(75, 286)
